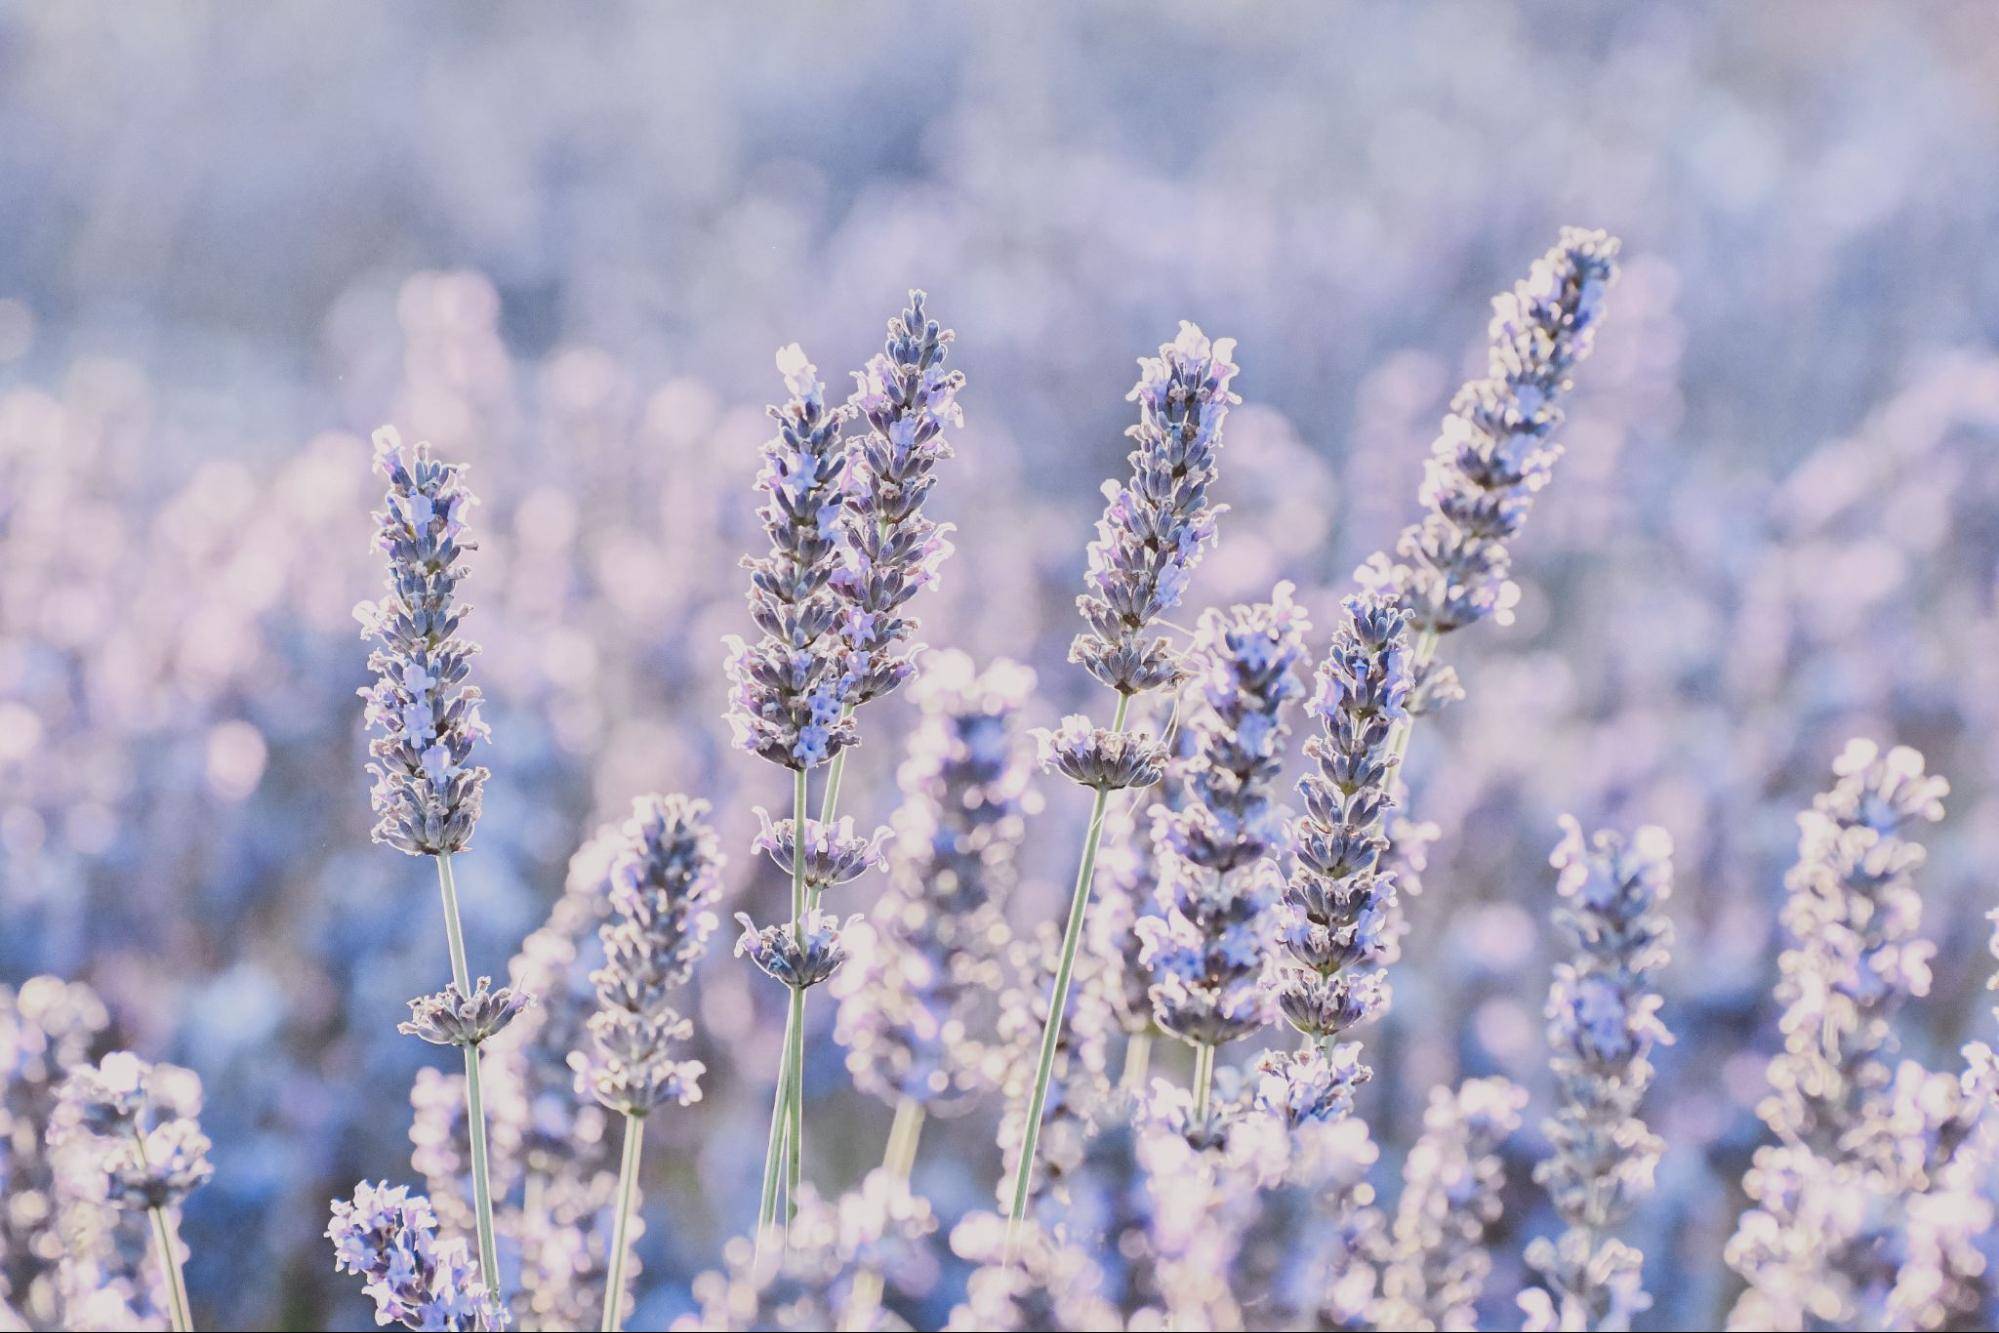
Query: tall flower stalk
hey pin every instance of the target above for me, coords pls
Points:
(1603, 1022)
(427, 791)
(662, 883)
(146, 1152)
(1149, 540)
(1209, 948)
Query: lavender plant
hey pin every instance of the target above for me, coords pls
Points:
(661, 884)
(142, 1149)
(1603, 1022)
(427, 791)
(1209, 949)
(388, 1236)
(1149, 540)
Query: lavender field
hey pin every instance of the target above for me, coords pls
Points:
(1105, 667)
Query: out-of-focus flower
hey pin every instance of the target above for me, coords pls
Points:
(1156, 525)
(140, 1120)
(662, 884)
(1603, 1021)
(791, 691)
(427, 791)
(388, 1236)
(917, 1002)
(907, 398)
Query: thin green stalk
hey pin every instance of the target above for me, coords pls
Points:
(794, 1146)
(475, 1110)
(898, 1159)
(1204, 1078)
(1398, 740)
(1058, 999)
(1137, 1059)
(178, 1314)
(628, 1175)
(774, 1149)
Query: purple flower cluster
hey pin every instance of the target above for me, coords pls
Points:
(427, 791)
(139, 1121)
(388, 1236)
(907, 398)
(1495, 451)
(1156, 526)
(791, 689)
(661, 884)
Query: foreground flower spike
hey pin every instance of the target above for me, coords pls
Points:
(907, 398)
(145, 1150)
(1837, 1105)
(1338, 909)
(1451, 1184)
(1209, 950)
(427, 792)
(662, 883)
(1495, 451)
(388, 1236)
(1603, 1021)
(1152, 535)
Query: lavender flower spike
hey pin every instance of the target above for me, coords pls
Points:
(145, 1152)
(662, 883)
(1338, 908)
(1155, 526)
(389, 1237)
(1495, 450)
(427, 791)
(1603, 1021)
(1209, 950)
(791, 688)
(893, 549)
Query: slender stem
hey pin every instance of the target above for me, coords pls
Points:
(475, 1110)
(163, 1237)
(898, 1159)
(794, 1135)
(628, 1175)
(1204, 1077)
(1137, 1060)
(774, 1151)
(1398, 740)
(1058, 1000)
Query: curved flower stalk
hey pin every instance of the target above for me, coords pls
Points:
(1339, 903)
(427, 791)
(1078, 1088)
(916, 1001)
(1209, 951)
(1603, 1021)
(1149, 540)
(1844, 1116)
(661, 883)
(1437, 1261)
(138, 1139)
(389, 1237)
(793, 695)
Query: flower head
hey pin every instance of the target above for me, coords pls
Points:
(800, 955)
(389, 1237)
(138, 1120)
(452, 1018)
(1098, 757)
(427, 790)
(834, 853)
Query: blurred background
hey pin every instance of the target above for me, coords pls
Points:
(563, 243)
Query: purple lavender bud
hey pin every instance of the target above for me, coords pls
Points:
(791, 689)
(1337, 920)
(388, 1236)
(1156, 526)
(916, 1011)
(427, 791)
(1208, 952)
(801, 956)
(662, 882)
(451, 1018)
(834, 853)
(893, 549)
(146, 1149)
(1603, 1021)
(1495, 450)
(1098, 757)
(1312, 1085)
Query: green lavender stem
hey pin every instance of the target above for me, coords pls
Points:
(163, 1238)
(899, 1159)
(628, 1174)
(475, 1109)
(781, 1151)
(1137, 1060)
(1058, 999)
(1204, 1078)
